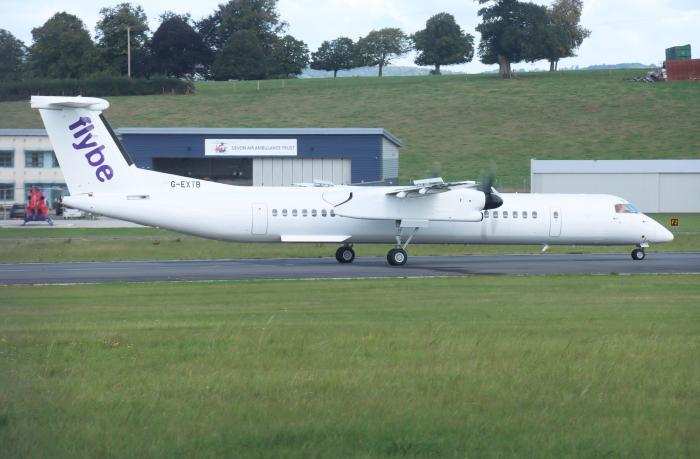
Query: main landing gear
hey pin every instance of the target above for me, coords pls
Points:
(398, 255)
(345, 254)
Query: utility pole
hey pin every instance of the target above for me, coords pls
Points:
(128, 51)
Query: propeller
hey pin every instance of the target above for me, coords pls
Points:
(437, 169)
(486, 182)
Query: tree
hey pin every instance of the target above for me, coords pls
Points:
(242, 58)
(111, 38)
(335, 55)
(565, 33)
(379, 47)
(12, 56)
(246, 36)
(511, 32)
(289, 57)
(177, 49)
(443, 42)
(62, 48)
(259, 16)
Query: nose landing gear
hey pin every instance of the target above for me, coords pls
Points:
(638, 254)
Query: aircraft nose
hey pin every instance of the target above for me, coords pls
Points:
(661, 234)
(667, 235)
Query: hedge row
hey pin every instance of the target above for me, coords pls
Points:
(93, 87)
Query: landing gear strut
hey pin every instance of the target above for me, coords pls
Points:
(345, 254)
(638, 254)
(398, 255)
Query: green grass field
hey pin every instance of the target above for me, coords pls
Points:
(478, 367)
(462, 122)
(560, 366)
(44, 244)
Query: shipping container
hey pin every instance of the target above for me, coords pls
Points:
(683, 70)
(678, 53)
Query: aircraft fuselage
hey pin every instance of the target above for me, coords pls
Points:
(301, 214)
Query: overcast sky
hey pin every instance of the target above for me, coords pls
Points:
(622, 30)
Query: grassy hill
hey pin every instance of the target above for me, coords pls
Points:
(462, 122)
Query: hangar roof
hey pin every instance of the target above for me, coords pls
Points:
(646, 166)
(23, 132)
(261, 131)
(225, 131)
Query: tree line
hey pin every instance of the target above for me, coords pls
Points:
(246, 39)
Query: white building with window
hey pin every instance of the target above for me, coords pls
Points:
(27, 160)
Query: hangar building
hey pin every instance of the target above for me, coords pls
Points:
(268, 157)
(654, 186)
(260, 157)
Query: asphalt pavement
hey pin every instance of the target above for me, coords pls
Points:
(328, 268)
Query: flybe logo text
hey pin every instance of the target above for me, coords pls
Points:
(94, 156)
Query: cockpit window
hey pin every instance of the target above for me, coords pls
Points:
(626, 209)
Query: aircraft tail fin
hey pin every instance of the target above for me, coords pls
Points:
(90, 155)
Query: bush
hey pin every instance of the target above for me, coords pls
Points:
(97, 86)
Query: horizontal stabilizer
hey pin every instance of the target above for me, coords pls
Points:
(58, 103)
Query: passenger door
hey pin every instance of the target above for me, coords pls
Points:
(259, 221)
(554, 221)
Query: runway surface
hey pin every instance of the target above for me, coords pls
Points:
(328, 268)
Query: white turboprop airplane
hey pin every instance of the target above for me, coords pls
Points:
(102, 179)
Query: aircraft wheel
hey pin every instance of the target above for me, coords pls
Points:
(397, 257)
(638, 254)
(345, 255)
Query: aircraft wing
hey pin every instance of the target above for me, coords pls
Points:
(427, 187)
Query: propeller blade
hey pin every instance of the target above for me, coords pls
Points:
(437, 169)
(491, 201)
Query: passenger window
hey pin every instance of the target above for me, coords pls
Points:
(274, 212)
(284, 212)
(332, 213)
(304, 213)
(313, 212)
(534, 214)
(524, 213)
(486, 214)
(495, 214)
(515, 214)
(505, 214)
(323, 213)
(294, 212)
